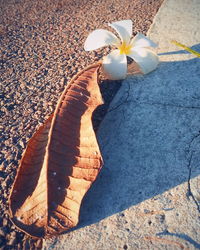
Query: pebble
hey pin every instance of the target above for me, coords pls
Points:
(3, 231)
(5, 222)
(12, 240)
(21, 143)
(39, 52)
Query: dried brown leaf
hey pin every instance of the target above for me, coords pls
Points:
(60, 163)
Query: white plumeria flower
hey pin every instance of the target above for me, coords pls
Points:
(115, 63)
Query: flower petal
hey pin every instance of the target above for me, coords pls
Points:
(100, 38)
(145, 58)
(115, 65)
(142, 41)
(124, 29)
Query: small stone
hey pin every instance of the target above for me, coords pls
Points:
(13, 234)
(13, 227)
(12, 239)
(147, 211)
(3, 231)
(160, 218)
(5, 222)
(21, 143)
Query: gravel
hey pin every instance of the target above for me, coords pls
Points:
(41, 48)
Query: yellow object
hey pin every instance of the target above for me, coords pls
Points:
(186, 48)
(125, 48)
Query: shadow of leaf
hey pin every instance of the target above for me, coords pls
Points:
(161, 116)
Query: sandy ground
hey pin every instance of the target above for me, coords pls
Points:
(41, 48)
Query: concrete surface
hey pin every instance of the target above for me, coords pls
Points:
(148, 193)
(41, 48)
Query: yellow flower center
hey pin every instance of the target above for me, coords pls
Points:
(125, 48)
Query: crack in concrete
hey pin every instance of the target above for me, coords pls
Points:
(181, 236)
(189, 166)
(123, 102)
(138, 102)
(167, 105)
